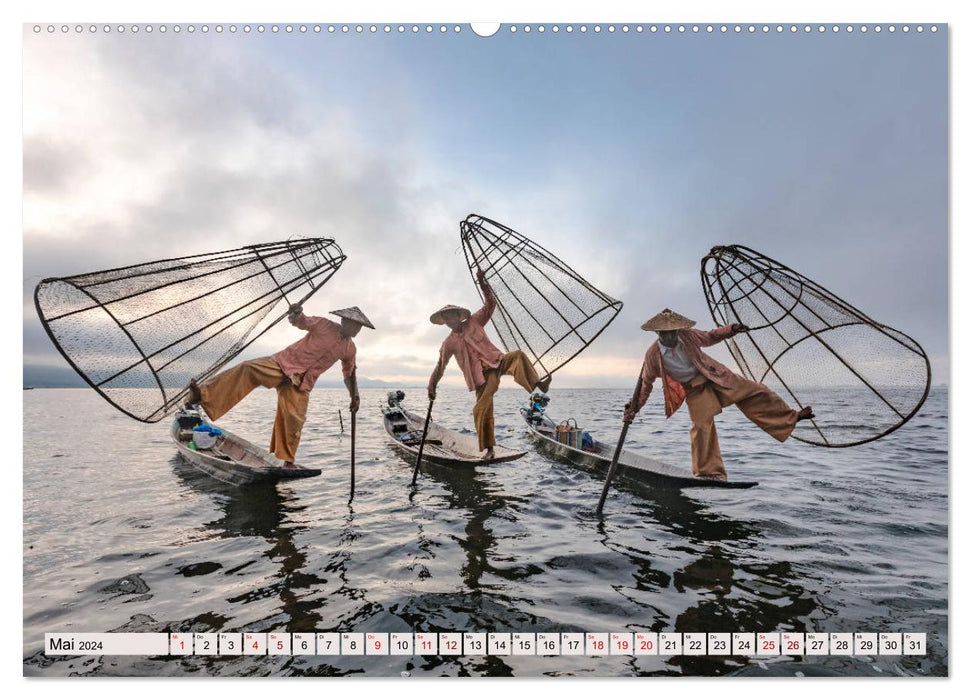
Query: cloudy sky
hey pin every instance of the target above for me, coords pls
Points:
(629, 155)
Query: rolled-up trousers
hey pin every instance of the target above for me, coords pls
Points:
(514, 363)
(706, 400)
(228, 388)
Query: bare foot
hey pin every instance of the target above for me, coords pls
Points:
(195, 395)
(805, 414)
(544, 384)
(288, 465)
(490, 453)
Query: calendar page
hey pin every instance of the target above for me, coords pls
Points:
(526, 349)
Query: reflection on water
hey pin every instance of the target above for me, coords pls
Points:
(848, 540)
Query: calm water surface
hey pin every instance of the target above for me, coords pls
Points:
(120, 535)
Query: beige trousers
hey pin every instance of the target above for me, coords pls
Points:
(228, 388)
(706, 400)
(514, 363)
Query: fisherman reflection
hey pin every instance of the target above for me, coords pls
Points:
(292, 372)
(262, 510)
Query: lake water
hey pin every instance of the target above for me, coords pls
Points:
(120, 535)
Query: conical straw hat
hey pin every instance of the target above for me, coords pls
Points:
(354, 314)
(437, 319)
(668, 320)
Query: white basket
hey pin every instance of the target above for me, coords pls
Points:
(203, 439)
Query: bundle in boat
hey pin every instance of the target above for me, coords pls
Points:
(544, 308)
(863, 378)
(138, 334)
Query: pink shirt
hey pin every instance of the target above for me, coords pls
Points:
(690, 344)
(316, 352)
(470, 347)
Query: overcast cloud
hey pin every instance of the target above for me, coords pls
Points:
(628, 156)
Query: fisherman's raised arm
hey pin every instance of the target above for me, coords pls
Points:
(297, 318)
(483, 315)
(717, 335)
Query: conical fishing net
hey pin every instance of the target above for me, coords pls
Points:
(863, 379)
(138, 334)
(544, 308)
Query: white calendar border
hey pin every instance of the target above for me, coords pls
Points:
(701, 10)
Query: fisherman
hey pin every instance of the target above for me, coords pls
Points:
(689, 375)
(481, 362)
(292, 372)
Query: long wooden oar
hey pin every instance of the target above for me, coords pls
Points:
(421, 447)
(620, 446)
(353, 439)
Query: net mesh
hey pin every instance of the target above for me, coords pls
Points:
(138, 334)
(862, 378)
(544, 308)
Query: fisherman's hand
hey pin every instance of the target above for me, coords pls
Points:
(629, 413)
(296, 311)
(355, 403)
(481, 277)
(739, 328)
(431, 393)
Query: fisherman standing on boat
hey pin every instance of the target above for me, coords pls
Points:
(482, 363)
(292, 372)
(689, 375)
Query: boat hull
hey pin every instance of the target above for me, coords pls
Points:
(233, 460)
(631, 466)
(444, 447)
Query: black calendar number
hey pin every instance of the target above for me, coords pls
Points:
(719, 645)
(694, 645)
(866, 644)
(842, 645)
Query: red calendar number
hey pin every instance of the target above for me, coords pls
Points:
(647, 645)
(768, 644)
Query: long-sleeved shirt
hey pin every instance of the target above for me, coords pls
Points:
(690, 342)
(470, 346)
(316, 352)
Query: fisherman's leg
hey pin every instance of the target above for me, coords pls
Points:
(764, 407)
(291, 414)
(703, 406)
(485, 424)
(228, 388)
(517, 365)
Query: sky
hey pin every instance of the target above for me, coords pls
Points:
(628, 155)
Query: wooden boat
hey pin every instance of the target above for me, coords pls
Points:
(448, 448)
(631, 465)
(231, 459)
